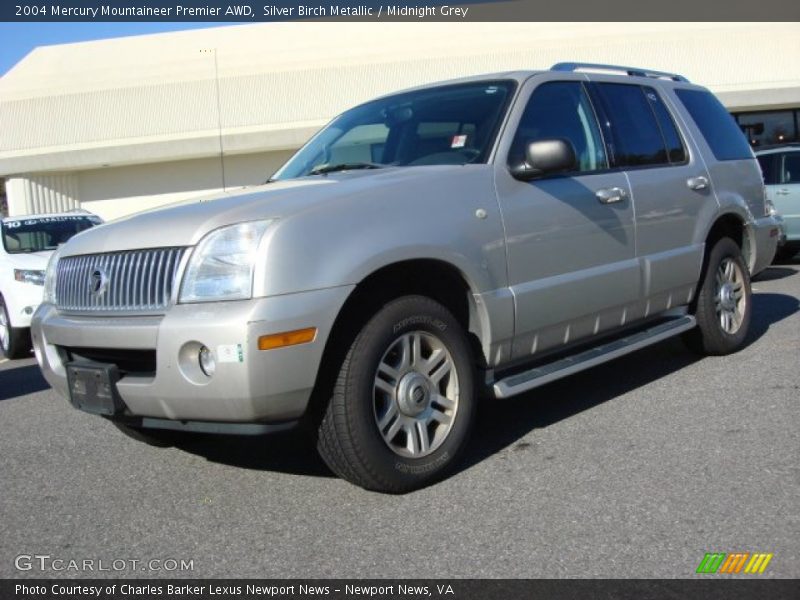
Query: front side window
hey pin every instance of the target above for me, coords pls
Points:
(446, 125)
(43, 233)
(561, 109)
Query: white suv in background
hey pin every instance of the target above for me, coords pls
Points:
(780, 166)
(27, 243)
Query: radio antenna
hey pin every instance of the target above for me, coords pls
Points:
(219, 118)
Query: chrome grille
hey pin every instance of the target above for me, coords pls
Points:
(136, 280)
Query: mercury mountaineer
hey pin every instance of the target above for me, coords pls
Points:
(476, 237)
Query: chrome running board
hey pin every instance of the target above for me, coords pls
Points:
(542, 374)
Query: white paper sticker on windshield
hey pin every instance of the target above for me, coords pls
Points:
(459, 141)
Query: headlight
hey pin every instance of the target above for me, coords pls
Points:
(50, 279)
(29, 276)
(221, 267)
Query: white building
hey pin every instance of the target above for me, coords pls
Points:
(121, 125)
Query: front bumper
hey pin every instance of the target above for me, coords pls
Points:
(248, 385)
(765, 234)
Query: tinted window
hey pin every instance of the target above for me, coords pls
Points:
(675, 150)
(561, 109)
(360, 144)
(791, 168)
(769, 127)
(715, 123)
(42, 233)
(635, 135)
(446, 125)
(768, 165)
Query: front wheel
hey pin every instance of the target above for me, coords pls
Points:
(723, 302)
(15, 342)
(404, 400)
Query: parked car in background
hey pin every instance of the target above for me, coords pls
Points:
(780, 166)
(27, 243)
(490, 234)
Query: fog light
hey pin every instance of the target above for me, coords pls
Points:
(28, 310)
(207, 362)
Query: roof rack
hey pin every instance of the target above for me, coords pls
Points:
(631, 71)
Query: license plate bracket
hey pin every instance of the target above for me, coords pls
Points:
(93, 388)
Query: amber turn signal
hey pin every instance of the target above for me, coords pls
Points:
(287, 338)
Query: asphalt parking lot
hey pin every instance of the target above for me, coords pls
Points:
(633, 469)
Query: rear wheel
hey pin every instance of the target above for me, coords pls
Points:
(723, 302)
(15, 342)
(404, 400)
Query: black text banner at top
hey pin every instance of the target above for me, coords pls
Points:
(405, 10)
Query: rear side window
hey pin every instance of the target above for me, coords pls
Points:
(636, 135)
(726, 140)
(672, 139)
(769, 170)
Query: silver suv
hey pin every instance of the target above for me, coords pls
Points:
(486, 235)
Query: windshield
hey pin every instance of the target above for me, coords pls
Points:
(42, 233)
(447, 125)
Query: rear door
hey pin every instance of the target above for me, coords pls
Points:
(670, 185)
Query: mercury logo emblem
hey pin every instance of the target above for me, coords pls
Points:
(418, 395)
(98, 281)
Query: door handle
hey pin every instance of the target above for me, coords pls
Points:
(697, 183)
(782, 193)
(611, 195)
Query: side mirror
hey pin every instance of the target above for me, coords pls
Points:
(543, 157)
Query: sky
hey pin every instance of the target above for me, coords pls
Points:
(17, 39)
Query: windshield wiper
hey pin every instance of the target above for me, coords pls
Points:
(321, 169)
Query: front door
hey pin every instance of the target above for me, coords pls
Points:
(571, 250)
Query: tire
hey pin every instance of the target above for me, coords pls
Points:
(404, 401)
(724, 305)
(159, 438)
(15, 342)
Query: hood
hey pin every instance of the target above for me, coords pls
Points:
(185, 223)
(30, 260)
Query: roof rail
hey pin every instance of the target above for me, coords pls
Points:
(631, 71)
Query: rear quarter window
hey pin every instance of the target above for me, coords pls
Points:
(726, 140)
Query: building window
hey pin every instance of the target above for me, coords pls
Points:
(3, 200)
(767, 128)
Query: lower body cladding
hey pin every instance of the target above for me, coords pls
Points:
(158, 379)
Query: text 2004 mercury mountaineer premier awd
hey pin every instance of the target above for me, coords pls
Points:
(487, 235)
